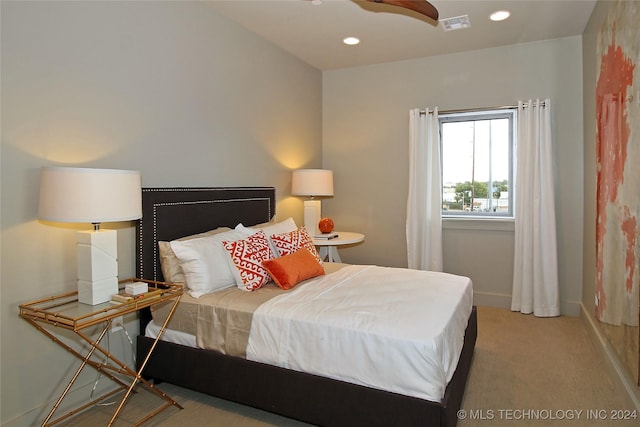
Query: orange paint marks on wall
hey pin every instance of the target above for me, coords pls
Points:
(616, 75)
(630, 230)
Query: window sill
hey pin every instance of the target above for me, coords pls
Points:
(478, 223)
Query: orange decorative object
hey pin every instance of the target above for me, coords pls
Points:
(325, 225)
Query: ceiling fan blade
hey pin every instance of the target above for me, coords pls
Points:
(420, 6)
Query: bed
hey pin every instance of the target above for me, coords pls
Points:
(172, 213)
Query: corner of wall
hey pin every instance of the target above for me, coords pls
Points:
(617, 371)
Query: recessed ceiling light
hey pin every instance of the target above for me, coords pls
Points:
(351, 41)
(316, 2)
(500, 15)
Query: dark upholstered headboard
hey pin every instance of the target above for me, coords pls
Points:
(171, 213)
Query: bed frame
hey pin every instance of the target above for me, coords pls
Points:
(170, 213)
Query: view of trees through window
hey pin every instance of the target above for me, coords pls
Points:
(477, 152)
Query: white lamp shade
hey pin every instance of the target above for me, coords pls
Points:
(89, 195)
(312, 182)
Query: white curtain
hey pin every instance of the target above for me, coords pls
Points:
(424, 204)
(535, 275)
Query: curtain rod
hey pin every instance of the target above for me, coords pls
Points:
(629, 98)
(470, 110)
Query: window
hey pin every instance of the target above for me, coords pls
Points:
(477, 163)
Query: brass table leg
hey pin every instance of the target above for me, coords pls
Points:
(105, 368)
(138, 376)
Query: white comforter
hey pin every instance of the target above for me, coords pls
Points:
(388, 328)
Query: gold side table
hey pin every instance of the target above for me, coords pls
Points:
(64, 311)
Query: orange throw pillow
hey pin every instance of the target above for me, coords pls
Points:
(289, 270)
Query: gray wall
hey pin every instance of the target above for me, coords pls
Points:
(167, 88)
(365, 142)
(188, 98)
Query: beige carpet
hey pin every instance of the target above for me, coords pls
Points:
(527, 371)
(530, 371)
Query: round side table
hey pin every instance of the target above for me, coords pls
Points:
(329, 247)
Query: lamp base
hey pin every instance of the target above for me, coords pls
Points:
(97, 292)
(97, 266)
(312, 211)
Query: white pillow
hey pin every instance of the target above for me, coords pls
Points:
(169, 262)
(205, 262)
(286, 226)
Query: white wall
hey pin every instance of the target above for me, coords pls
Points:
(168, 88)
(365, 142)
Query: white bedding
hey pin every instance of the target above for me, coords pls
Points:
(403, 334)
(170, 335)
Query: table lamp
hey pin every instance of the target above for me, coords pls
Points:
(94, 196)
(313, 183)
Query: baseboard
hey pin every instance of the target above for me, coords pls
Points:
(487, 299)
(76, 397)
(618, 372)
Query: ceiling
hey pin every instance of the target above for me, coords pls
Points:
(314, 33)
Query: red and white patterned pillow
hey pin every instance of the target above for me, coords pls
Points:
(247, 256)
(288, 243)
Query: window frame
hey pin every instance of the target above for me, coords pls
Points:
(475, 115)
